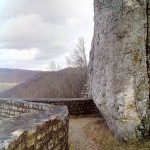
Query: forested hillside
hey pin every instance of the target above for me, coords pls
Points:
(64, 83)
(11, 77)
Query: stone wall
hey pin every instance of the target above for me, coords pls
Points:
(10, 108)
(33, 126)
(36, 124)
(118, 66)
(76, 106)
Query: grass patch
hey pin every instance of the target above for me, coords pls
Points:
(99, 132)
(70, 146)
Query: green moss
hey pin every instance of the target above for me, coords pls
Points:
(144, 128)
(136, 57)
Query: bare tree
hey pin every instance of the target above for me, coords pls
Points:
(54, 66)
(78, 57)
(78, 62)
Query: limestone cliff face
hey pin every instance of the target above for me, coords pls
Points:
(118, 68)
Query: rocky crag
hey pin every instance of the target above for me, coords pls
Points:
(119, 65)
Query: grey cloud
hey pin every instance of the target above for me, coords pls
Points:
(51, 26)
(48, 9)
(30, 65)
(46, 54)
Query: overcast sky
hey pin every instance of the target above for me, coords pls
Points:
(34, 32)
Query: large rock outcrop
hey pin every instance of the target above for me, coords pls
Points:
(118, 66)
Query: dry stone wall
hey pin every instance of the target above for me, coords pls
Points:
(11, 108)
(38, 124)
(119, 66)
(76, 106)
(33, 126)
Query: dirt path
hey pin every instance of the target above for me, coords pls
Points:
(77, 137)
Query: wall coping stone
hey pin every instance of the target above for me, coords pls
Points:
(12, 128)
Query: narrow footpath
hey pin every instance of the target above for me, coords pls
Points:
(77, 137)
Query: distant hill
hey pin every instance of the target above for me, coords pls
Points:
(16, 75)
(63, 83)
(11, 77)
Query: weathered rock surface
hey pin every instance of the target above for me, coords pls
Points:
(118, 68)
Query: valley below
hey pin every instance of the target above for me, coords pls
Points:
(6, 85)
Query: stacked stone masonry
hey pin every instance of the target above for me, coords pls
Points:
(33, 126)
(37, 124)
(76, 106)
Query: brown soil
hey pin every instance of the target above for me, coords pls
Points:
(91, 133)
(78, 139)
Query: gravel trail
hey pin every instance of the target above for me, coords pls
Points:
(77, 137)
